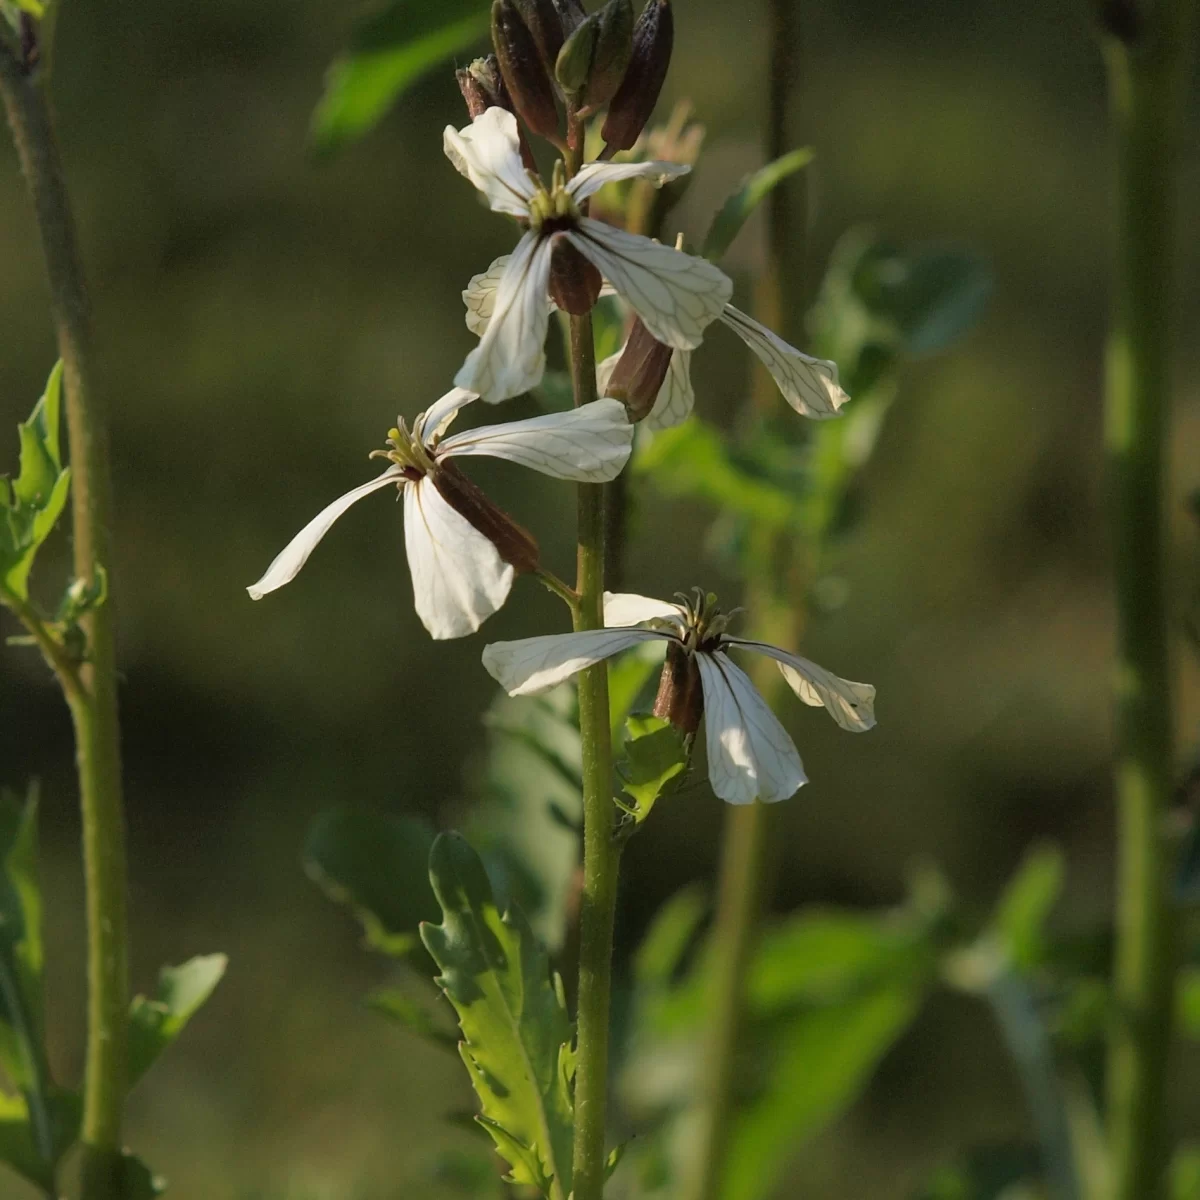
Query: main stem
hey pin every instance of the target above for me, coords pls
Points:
(600, 851)
(744, 860)
(94, 703)
(1147, 83)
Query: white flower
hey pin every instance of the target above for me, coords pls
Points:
(750, 754)
(677, 295)
(459, 577)
(810, 385)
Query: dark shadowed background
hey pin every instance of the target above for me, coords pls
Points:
(263, 315)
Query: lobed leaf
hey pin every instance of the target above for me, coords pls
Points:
(516, 1035)
(750, 193)
(155, 1023)
(388, 54)
(655, 755)
(375, 864)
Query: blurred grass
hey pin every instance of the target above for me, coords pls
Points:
(264, 317)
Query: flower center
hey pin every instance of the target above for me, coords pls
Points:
(704, 623)
(553, 209)
(404, 449)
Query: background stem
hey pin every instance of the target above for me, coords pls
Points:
(1146, 81)
(742, 885)
(600, 852)
(94, 703)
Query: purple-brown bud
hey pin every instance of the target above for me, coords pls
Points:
(575, 283)
(571, 13)
(542, 19)
(653, 40)
(523, 70)
(514, 544)
(611, 57)
(680, 698)
(482, 87)
(639, 373)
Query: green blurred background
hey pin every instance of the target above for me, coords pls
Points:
(263, 315)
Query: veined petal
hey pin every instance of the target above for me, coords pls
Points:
(536, 664)
(591, 178)
(436, 419)
(676, 397)
(809, 385)
(590, 444)
(628, 608)
(458, 576)
(677, 295)
(480, 295)
(511, 358)
(750, 755)
(850, 704)
(295, 554)
(488, 153)
(605, 369)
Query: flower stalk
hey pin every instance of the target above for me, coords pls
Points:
(93, 703)
(601, 851)
(1148, 71)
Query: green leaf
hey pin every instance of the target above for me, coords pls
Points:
(516, 1035)
(155, 1023)
(19, 1145)
(943, 294)
(750, 193)
(137, 1181)
(656, 754)
(694, 461)
(411, 1014)
(34, 501)
(1021, 914)
(1185, 1173)
(387, 55)
(527, 826)
(666, 942)
(628, 676)
(375, 864)
(1003, 1172)
(1187, 1002)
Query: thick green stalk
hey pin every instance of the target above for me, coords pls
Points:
(1147, 80)
(601, 854)
(94, 703)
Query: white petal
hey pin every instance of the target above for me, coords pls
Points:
(750, 755)
(511, 358)
(850, 704)
(480, 296)
(676, 397)
(537, 664)
(809, 385)
(590, 444)
(488, 153)
(605, 369)
(436, 419)
(677, 295)
(295, 554)
(594, 176)
(628, 608)
(458, 577)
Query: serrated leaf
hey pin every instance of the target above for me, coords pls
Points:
(1020, 918)
(388, 54)
(655, 755)
(375, 864)
(750, 193)
(33, 501)
(516, 1035)
(154, 1023)
(411, 1014)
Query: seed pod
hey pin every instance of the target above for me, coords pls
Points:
(514, 544)
(639, 373)
(680, 698)
(571, 13)
(574, 282)
(575, 58)
(614, 48)
(631, 107)
(545, 25)
(522, 70)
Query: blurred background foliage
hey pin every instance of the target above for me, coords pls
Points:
(264, 312)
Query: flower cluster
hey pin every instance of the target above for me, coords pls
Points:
(463, 551)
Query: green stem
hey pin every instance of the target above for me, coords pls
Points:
(1147, 81)
(601, 854)
(745, 859)
(94, 703)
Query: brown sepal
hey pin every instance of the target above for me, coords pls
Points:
(574, 282)
(515, 544)
(639, 373)
(680, 698)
